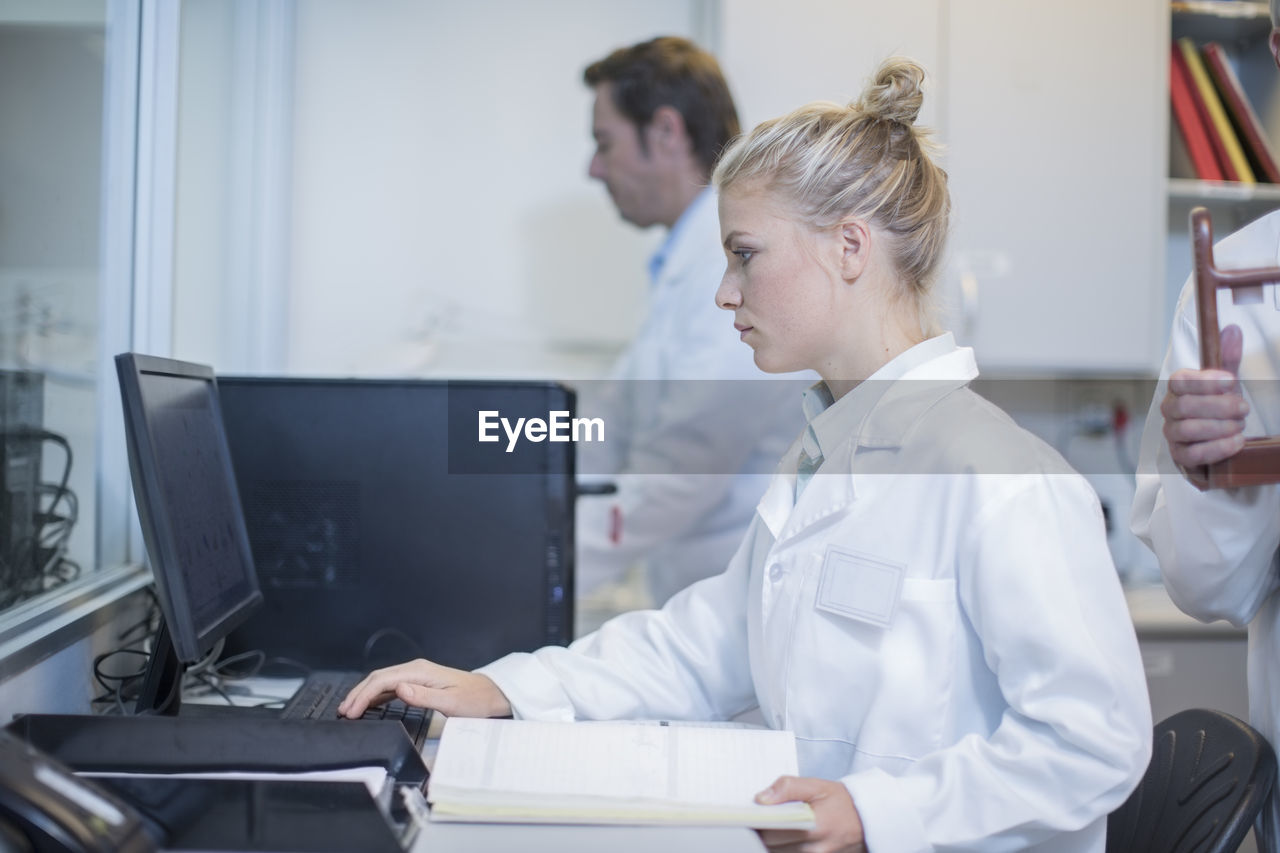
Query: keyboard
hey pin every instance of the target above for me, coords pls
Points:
(319, 696)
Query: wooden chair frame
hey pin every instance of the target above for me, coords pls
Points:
(1258, 461)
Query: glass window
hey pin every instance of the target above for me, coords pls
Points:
(60, 309)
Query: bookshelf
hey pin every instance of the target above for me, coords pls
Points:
(1220, 20)
(1242, 28)
(1264, 196)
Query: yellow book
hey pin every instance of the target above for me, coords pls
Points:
(1222, 131)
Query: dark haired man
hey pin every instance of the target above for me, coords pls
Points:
(687, 429)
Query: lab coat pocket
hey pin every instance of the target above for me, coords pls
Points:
(860, 586)
(884, 688)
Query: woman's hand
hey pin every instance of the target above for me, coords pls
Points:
(421, 683)
(838, 830)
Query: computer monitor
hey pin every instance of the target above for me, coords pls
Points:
(185, 490)
(382, 529)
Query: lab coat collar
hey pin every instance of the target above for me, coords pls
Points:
(830, 422)
(779, 499)
(905, 402)
(937, 367)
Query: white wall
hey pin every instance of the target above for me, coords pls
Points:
(839, 58)
(443, 221)
(440, 221)
(201, 238)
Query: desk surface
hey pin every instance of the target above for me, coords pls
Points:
(1153, 612)
(502, 838)
(495, 838)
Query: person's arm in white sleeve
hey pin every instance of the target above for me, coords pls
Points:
(685, 661)
(1037, 584)
(679, 468)
(682, 458)
(1216, 548)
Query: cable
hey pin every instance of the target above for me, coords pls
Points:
(121, 688)
(117, 686)
(225, 668)
(390, 632)
(210, 683)
(302, 668)
(53, 530)
(38, 561)
(46, 435)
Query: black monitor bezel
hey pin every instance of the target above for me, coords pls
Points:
(189, 642)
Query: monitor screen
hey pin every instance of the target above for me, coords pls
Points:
(189, 508)
(383, 530)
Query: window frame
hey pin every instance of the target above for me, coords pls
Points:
(134, 312)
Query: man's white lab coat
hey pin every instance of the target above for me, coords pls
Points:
(1218, 549)
(693, 428)
(937, 618)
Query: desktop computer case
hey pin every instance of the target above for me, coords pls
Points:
(21, 417)
(381, 530)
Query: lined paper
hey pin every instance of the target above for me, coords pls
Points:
(611, 772)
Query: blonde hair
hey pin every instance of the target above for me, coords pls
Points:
(865, 161)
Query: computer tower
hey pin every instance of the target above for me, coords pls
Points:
(382, 530)
(21, 417)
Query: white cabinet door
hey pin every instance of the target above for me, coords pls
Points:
(1053, 120)
(778, 56)
(1056, 128)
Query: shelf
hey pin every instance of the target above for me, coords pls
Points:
(1184, 189)
(63, 13)
(1221, 20)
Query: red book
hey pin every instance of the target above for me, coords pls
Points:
(1180, 165)
(1243, 116)
(1191, 119)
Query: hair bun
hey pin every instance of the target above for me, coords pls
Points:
(895, 93)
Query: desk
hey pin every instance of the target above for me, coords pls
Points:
(502, 838)
(528, 838)
(495, 838)
(1188, 663)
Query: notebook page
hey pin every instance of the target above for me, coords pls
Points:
(673, 763)
(728, 765)
(553, 758)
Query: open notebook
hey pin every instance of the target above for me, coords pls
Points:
(523, 771)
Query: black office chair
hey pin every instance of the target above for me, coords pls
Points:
(1209, 776)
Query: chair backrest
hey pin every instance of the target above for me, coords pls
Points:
(1209, 776)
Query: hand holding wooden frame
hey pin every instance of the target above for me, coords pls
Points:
(1258, 461)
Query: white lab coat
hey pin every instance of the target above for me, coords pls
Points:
(1000, 705)
(1218, 549)
(688, 462)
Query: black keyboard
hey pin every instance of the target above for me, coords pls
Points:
(319, 696)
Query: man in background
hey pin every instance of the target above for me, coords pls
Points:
(1218, 548)
(694, 428)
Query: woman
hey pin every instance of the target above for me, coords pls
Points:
(925, 596)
